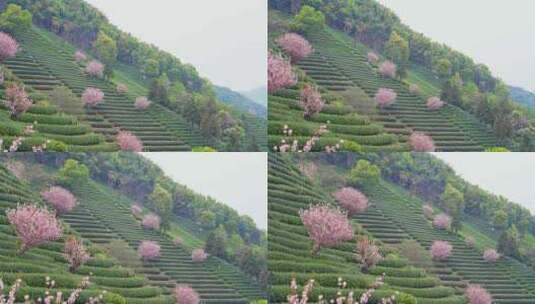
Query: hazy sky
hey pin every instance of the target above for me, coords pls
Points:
(498, 33)
(509, 174)
(235, 179)
(225, 40)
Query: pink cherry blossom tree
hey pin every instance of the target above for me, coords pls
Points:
(295, 46)
(8, 46)
(280, 73)
(441, 250)
(151, 221)
(129, 142)
(428, 211)
(80, 56)
(442, 221)
(388, 69)
(385, 97)
(91, 97)
(95, 69)
(434, 103)
(198, 255)
(122, 88)
(478, 295)
(415, 89)
(149, 250)
(136, 210)
(373, 58)
(491, 256)
(420, 142)
(75, 253)
(352, 200)
(184, 294)
(34, 225)
(60, 198)
(368, 253)
(311, 101)
(327, 226)
(142, 103)
(17, 100)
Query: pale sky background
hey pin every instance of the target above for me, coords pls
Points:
(511, 175)
(498, 33)
(238, 180)
(225, 40)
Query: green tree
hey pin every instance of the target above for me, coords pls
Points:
(452, 90)
(209, 124)
(106, 50)
(500, 219)
(207, 219)
(308, 20)
(453, 200)
(73, 173)
(14, 17)
(509, 242)
(151, 68)
(159, 89)
(162, 201)
(397, 49)
(216, 242)
(443, 68)
(364, 173)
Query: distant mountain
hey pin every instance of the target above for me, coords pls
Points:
(258, 95)
(240, 102)
(522, 96)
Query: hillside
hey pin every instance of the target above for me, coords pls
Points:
(240, 102)
(104, 220)
(395, 221)
(184, 113)
(522, 96)
(258, 95)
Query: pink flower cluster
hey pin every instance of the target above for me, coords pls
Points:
(34, 225)
(491, 256)
(198, 255)
(293, 146)
(142, 103)
(8, 46)
(95, 69)
(280, 73)
(311, 101)
(151, 221)
(352, 200)
(434, 103)
(295, 45)
(421, 142)
(148, 250)
(60, 198)
(385, 97)
(136, 210)
(373, 58)
(184, 294)
(17, 100)
(478, 295)
(388, 69)
(441, 250)
(442, 221)
(129, 142)
(92, 97)
(327, 226)
(80, 56)
(75, 253)
(368, 253)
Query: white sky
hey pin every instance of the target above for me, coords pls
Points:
(511, 175)
(498, 33)
(238, 180)
(225, 40)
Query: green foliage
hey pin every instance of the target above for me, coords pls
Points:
(308, 20)
(162, 201)
(397, 50)
(404, 298)
(207, 218)
(14, 18)
(203, 149)
(509, 242)
(216, 242)
(106, 50)
(453, 200)
(113, 298)
(497, 149)
(443, 68)
(452, 90)
(364, 173)
(73, 173)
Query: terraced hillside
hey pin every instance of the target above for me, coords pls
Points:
(289, 248)
(35, 265)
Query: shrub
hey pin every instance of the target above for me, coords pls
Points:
(385, 97)
(34, 225)
(327, 226)
(295, 46)
(184, 294)
(441, 250)
(75, 253)
(95, 69)
(388, 69)
(129, 142)
(8, 46)
(198, 255)
(368, 253)
(60, 198)
(17, 100)
(352, 200)
(80, 56)
(428, 211)
(415, 89)
(434, 103)
(121, 88)
(92, 97)
(470, 241)
(442, 221)
(421, 142)
(73, 173)
(280, 73)
(178, 241)
(151, 221)
(373, 58)
(491, 256)
(142, 103)
(311, 101)
(478, 295)
(148, 250)
(364, 173)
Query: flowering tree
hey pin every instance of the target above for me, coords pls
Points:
(17, 100)
(122, 88)
(442, 221)
(295, 45)
(280, 73)
(8, 46)
(421, 142)
(289, 145)
(428, 211)
(75, 253)
(80, 56)
(92, 97)
(34, 225)
(478, 295)
(441, 250)
(470, 241)
(129, 142)
(198, 255)
(491, 256)
(311, 101)
(95, 69)
(352, 200)
(178, 241)
(136, 210)
(434, 103)
(373, 58)
(142, 103)
(368, 253)
(60, 198)
(388, 69)
(385, 97)
(148, 250)
(327, 226)
(184, 294)
(151, 221)
(415, 89)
